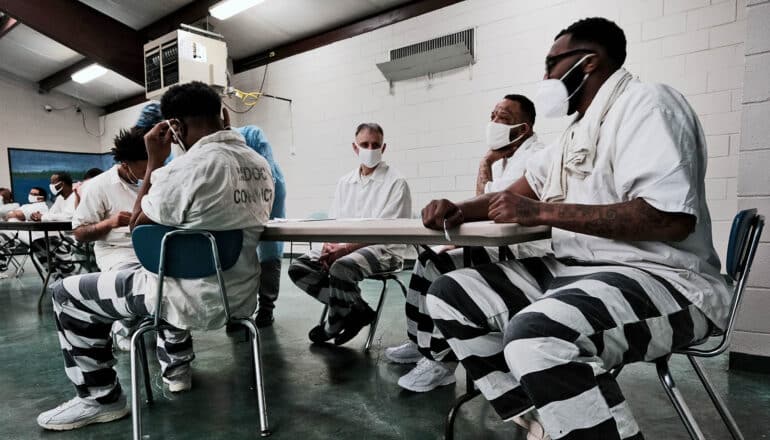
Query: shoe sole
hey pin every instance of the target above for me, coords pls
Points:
(424, 389)
(411, 360)
(101, 418)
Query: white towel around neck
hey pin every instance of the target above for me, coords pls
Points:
(579, 139)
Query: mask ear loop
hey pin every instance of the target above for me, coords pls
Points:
(176, 135)
(584, 77)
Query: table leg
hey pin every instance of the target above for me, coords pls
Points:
(47, 275)
(31, 254)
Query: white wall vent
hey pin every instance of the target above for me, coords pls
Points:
(429, 57)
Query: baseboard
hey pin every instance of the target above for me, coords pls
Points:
(749, 362)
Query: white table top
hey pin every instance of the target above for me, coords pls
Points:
(401, 231)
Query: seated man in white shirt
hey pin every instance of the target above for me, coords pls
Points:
(194, 191)
(37, 199)
(7, 203)
(633, 274)
(511, 141)
(331, 275)
(104, 212)
(64, 203)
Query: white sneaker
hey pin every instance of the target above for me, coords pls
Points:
(428, 375)
(532, 423)
(407, 353)
(120, 342)
(79, 412)
(179, 382)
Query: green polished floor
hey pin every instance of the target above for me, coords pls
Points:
(315, 392)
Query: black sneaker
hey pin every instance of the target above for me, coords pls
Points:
(318, 334)
(359, 317)
(264, 318)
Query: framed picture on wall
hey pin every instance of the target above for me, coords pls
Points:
(30, 168)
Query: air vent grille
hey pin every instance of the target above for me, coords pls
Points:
(463, 37)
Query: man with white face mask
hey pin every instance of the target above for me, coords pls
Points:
(331, 275)
(511, 141)
(633, 274)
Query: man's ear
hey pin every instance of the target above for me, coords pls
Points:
(591, 63)
(225, 118)
(355, 148)
(383, 147)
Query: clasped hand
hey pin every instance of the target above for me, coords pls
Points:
(504, 207)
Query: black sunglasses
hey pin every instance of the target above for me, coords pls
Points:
(552, 61)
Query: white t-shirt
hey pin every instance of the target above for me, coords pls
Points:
(507, 171)
(103, 196)
(8, 207)
(219, 184)
(61, 210)
(382, 194)
(651, 146)
(31, 208)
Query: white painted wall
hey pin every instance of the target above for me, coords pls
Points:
(753, 329)
(114, 122)
(24, 123)
(434, 129)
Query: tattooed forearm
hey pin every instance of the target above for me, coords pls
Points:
(88, 233)
(633, 221)
(484, 176)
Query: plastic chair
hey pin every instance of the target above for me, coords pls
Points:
(744, 239)
(182, 253)
(384, 277)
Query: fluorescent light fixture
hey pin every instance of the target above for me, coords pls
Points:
(227, 8)
(89, 73)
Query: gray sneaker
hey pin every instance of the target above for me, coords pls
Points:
(79, 412)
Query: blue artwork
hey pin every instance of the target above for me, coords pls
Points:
(34, 167)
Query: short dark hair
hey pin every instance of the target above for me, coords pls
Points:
(600, 31)
(64, 177)
(129, 146)
(527, 106)
(371, 126)
(193, 99)
(42, 191)
(93, 172)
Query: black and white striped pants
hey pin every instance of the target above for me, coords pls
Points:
(85, 308)
(546, 332)
(431, 265)
(338, 287)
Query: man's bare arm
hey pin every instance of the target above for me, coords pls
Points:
(635, 220)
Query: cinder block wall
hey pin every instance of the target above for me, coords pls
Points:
(435, 128)
(753, 335)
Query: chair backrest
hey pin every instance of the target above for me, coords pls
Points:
(188, 254)
(744, 240)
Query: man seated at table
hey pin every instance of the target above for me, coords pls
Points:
(104, 212)
(64, 203)
(37, 199)
(78, 187)
(194, 191)
(331, 275)
(633, 274)
(7, 204)
(511, 141)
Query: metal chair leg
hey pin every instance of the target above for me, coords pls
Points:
(264, 430)
(400, 284)
(146, 370)
(373, 325)
(324, 313)
(677, 400)
(727, 417)
(471, 392)
(136, 413)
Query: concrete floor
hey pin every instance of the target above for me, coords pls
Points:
(316, 392)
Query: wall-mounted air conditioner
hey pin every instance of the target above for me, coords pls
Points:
(185, 55)
(429, 57)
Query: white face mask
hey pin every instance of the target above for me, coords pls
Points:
(55, 189)
(369, 158)
(33, 199)
(499, 135)
(552, 98)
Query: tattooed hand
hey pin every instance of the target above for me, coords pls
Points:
(507, 207)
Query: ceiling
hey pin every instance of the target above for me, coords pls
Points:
(28, 54)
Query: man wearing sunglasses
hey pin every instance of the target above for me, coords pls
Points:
(633, 274)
